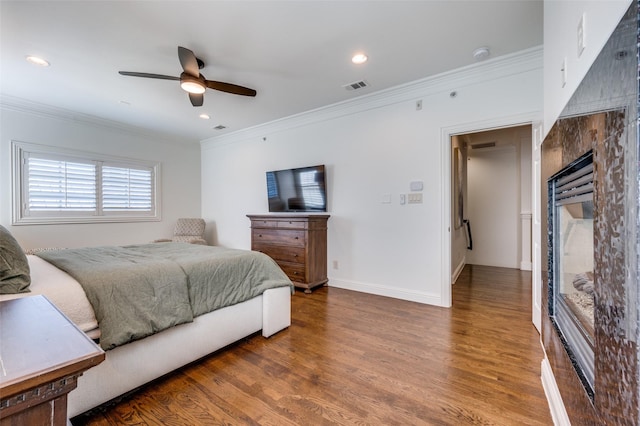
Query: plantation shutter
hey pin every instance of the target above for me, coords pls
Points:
(54, 185)
(60, 185)
(127, 189)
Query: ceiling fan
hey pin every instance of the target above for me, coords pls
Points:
(192, 81)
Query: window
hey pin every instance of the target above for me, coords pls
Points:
(127, 189)
(62, 186)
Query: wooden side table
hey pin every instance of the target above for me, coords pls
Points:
(42, 354)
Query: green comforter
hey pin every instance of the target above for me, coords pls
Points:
(139, 290)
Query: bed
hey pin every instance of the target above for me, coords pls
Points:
(147, 356)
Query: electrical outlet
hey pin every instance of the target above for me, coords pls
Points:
(582, 35)
(335, 264)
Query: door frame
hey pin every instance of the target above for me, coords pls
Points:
(445, 148)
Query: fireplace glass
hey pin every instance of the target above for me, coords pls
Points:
(572, 278)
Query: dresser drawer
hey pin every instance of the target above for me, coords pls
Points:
(292, 224)
(279, 237)
(282, 253)
(295, 271)
(264, 223)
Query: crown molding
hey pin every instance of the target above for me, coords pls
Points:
(500, 67)
(15, 104)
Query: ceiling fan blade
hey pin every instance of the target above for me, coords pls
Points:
(188, 61)
(230, 88)
(196, 99)
(147, 75)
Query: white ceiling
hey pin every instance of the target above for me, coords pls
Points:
(296, 54)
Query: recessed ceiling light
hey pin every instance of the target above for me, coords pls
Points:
(359, 58)
(37, 61)
(124, 103)
(204, 116)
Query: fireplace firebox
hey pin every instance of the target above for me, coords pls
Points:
(571, 269)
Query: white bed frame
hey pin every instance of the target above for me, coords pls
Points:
(134, 364)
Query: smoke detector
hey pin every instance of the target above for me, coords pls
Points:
(481, 53)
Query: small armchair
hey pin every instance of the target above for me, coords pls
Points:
(187, 230)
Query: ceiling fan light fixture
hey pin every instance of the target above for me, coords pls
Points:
(192, 86)
(191, 81)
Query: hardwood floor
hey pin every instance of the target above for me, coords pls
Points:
(354, 358)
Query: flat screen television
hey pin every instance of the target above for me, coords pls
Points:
(297, 190)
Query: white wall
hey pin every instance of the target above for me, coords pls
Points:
(561, 19)
(493, 207)
(525, 137)
(372, 146)
(180, 163)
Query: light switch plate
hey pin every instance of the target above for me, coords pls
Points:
(582, 35)
(563, 72)
(416, 185)
(415, 198)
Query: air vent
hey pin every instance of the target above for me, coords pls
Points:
(356, 85)
(220, 127)
(483, 145)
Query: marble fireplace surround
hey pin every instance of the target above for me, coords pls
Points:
(602, 117)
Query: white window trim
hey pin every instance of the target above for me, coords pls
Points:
(18, 150)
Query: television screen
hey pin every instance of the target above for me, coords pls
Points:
(297, 190)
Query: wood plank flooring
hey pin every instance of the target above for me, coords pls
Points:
(358, 359)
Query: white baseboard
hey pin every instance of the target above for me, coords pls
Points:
(526, 266)
(558, 412)
(458, 270)
(382, 290)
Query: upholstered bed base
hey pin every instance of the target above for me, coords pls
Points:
(132, 365)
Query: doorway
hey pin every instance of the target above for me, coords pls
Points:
(491, 198)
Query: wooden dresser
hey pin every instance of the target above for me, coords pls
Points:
(298, 243)
(42, 354)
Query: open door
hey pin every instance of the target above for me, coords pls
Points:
(536, 231)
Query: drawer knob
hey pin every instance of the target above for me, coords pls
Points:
(296, 238)
(295, 255)
(296, 273)
(260, 235)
